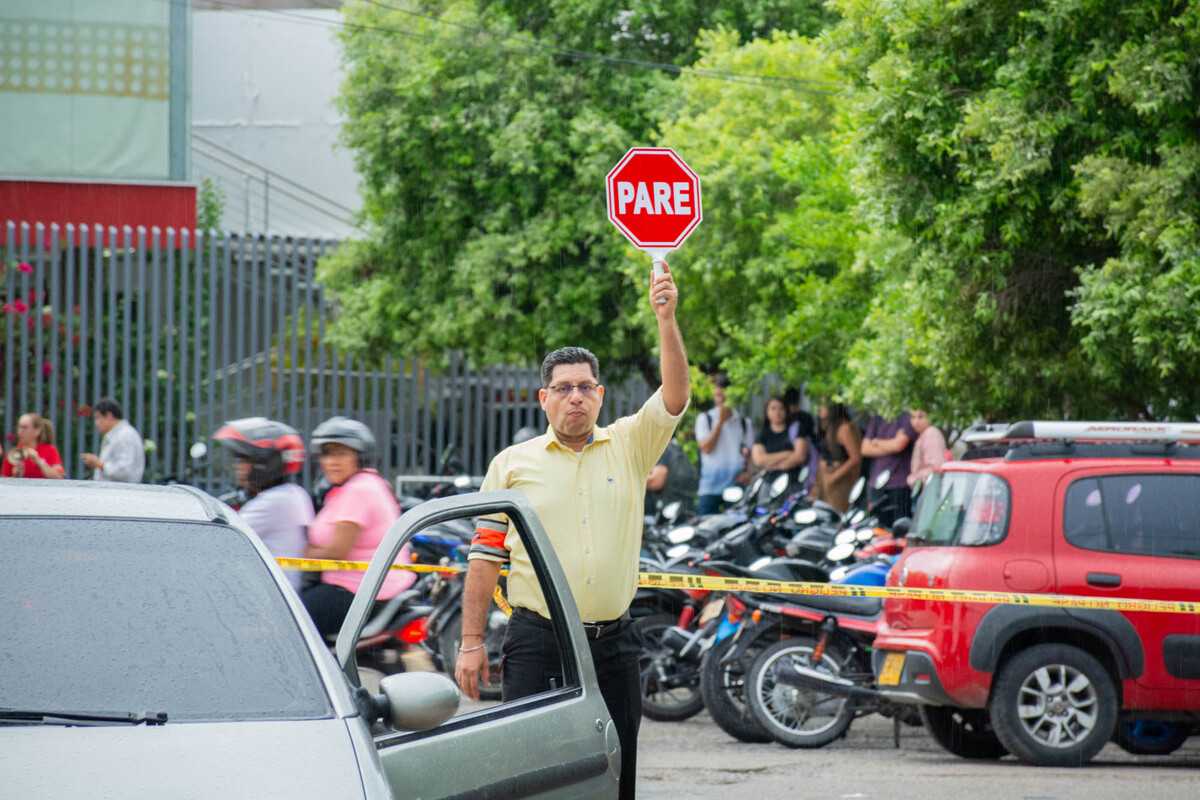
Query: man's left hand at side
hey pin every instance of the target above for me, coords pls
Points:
(91, 460)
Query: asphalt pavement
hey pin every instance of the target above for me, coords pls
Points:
(696, 759)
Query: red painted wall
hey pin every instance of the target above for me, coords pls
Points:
(162, 205)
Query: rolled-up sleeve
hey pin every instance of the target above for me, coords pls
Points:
(650, 430)
(491, 530)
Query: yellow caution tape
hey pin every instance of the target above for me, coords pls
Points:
(682, 581)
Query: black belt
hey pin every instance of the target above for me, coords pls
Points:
(592, 630)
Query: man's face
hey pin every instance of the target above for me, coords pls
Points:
(104, 422)
(242, 471)
(718, 394)
(574, 414)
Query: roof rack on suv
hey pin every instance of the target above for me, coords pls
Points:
(1055, 439)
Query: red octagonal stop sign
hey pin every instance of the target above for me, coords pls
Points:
(654, 198)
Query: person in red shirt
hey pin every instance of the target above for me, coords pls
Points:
(34, 455)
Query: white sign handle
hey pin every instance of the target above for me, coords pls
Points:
(658, 257)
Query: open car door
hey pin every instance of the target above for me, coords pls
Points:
(559, 743)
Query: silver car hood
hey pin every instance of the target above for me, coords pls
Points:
(188, 761)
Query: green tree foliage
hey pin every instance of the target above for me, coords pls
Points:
(483, 131)
(772, 286)
(1029, 174)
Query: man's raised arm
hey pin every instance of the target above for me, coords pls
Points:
(676, 381)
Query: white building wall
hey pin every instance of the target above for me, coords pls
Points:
(264, 86)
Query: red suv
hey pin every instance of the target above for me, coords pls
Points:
(1095, 509)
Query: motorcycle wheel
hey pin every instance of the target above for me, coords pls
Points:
(448, 642)
(665, 703)
(722, 686)
(965, 732)
(794, 716)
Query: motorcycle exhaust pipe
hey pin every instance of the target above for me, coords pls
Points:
(682, 643)
(808, 678)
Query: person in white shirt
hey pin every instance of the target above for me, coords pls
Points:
(122, 452)
(725, 439)
(269, 455)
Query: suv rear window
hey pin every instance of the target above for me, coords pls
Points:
(968, 509)
(1152, 515)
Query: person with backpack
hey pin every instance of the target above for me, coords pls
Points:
(725, 438)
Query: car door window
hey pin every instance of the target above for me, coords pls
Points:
(1140, 514)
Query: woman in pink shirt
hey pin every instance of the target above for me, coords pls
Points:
(929, 452)
(357, 512)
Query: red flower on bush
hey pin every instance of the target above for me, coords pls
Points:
(47, 369)
(17, 306)
(25, 267)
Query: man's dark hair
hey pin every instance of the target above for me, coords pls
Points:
(106, 405)
(568, 355)
(721, 379)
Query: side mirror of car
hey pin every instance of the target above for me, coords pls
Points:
(733, 494)
(418, 701)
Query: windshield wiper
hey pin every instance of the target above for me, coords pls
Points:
(48, 717)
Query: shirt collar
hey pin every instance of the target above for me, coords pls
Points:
(598, 435)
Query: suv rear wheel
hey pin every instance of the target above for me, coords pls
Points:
(1054, 705)
(965, 732)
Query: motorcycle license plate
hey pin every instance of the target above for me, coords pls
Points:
(711, 609)
(893, 667)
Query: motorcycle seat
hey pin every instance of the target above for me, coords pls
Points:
(856, 606)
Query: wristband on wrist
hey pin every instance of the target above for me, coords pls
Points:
(462, 649)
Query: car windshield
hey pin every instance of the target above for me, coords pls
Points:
(117, 615)
(961, 508)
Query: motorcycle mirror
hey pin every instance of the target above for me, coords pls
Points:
(805, 516)
(418, 701)
(198, 451)
(803, 475)
(837, 574)
(733, 494)
(846, 536)
(670, 511)
(857, 517)
(881, 479)
(840, 552)
(462, 482)
(760, 563)
(682, 534)
(779, 485)
(865, 535)
(857, 490)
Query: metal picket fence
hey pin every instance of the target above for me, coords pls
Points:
(186, 329)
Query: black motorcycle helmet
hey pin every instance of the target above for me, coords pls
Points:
(348, 432)
(274, 450)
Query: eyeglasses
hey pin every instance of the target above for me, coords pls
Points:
(564, 390)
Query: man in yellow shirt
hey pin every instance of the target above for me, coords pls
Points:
(587, 485)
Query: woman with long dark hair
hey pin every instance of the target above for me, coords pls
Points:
(841, 455)
(775, 449)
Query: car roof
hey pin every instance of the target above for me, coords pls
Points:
(62, 498)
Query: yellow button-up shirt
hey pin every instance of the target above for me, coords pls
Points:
(591, 504)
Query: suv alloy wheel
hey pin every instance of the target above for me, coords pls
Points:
(1054, 705)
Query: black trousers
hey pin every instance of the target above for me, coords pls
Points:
(532, 664)
(892, 504)
(327, 605)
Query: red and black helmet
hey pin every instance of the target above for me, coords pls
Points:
(275, 450)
